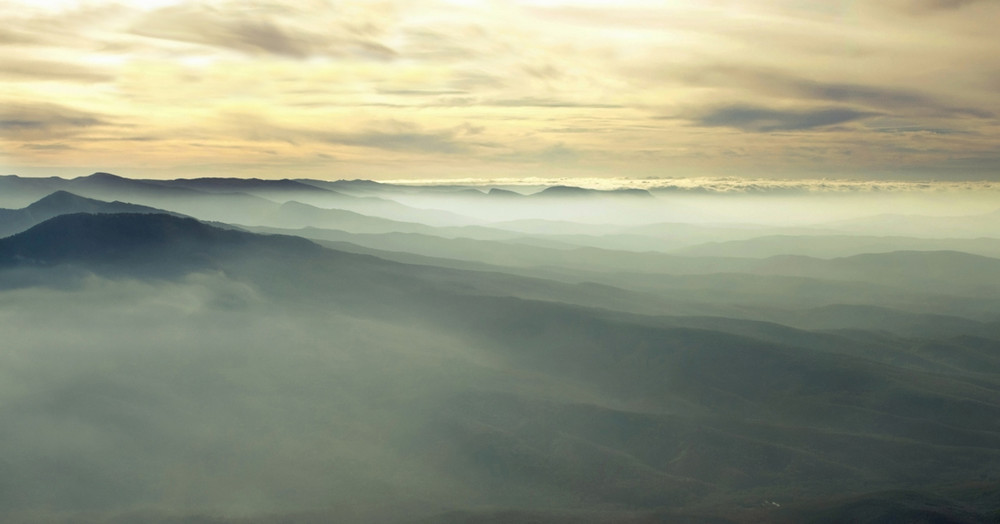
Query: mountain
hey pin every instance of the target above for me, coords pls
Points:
(573, 191)
(156, 368)
(314, 193)
(356, 186)
(131, 242)
(297, 214)
(967, 226)
(376, 199)
(555, 227)
(60, 203)
(294, 215)
(937, 271)
(565, 191)
(503, 193)
(832, 246)
(105, 185)
(17, 191)
(694, 286)
(890, 506)
(246, 185)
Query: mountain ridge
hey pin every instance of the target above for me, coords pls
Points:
(63, 202)
(121, 239)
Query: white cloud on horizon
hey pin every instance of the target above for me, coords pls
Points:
(717, 184)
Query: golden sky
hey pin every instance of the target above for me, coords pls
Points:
(897, 89)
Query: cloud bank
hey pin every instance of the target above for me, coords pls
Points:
(785, 89)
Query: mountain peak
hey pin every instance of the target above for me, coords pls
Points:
(220, 184)
(565, 191)
(505, 193)
(573, 191)
(632, 192)
(132, 241)
(61, 200)
(100, 175)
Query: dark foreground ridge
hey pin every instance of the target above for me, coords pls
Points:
(131, 238)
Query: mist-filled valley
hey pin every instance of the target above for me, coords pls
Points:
(250, 351)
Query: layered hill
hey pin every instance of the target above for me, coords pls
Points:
(60, 203)
(284, 376)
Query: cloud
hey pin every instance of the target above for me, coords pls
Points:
(884, 98)
(36, 69)
(763, 120)
(558, 154)
(926, 6)
(968, 26)
(259, 35)
(193, 25)
(548, 102)
(331, 73)
(899, 100)
(433, 142)
(392, 135)
(451, 45)
(240, 31)
(78, 27)
(443, 100)
(48, 147)
(722, 184)
(43, 120)
(979, 165)
(677, 16)
(420, 92)
(14, 36)
(477, 80)
(396, 135)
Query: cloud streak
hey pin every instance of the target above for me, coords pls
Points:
(27, 121)
(41, 70)
(757, 119)
(390, 135)
(253, 35)
(927, 6)
(776, 83)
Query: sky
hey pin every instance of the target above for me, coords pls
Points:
(417, 89)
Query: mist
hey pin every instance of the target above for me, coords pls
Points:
(201, 396)
(225, 350)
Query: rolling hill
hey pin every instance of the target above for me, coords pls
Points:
(310, 378)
